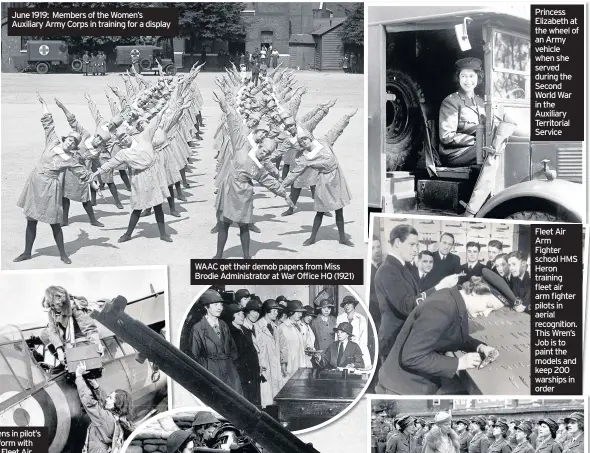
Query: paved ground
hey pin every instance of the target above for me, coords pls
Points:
(281, 237)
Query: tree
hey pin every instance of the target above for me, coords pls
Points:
(212, 21)
(352, 31)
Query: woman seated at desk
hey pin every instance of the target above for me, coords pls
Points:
(419, 359)
(342, 353)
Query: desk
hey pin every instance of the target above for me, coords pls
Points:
(307, 400)
(510, 333)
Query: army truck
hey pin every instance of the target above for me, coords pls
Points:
(412, 55)
(147, 57)
(43, 57)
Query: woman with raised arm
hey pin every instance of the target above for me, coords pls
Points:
(41, 198)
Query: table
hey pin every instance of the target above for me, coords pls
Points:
(510, 374)
(310, 398)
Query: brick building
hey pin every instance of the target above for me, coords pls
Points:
(508, 408)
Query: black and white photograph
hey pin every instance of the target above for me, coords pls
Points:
(190, 430)
(64, 370)
(245, 131)
(450, 102)
(451, 301)
(303, 354)
(469, 425)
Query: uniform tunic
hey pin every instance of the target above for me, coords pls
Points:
(102, 422)
(235, 198)
(41, 198)
(548, 445)
(148, 188)
(574, 444)
(292, 348)
(332, 192)
(499, 446)
(58, 332)
(269, 357)
(459, 116)
(400, 443)
(247, 363)
(217, 353)
(479, 443)
(324, 331)
(464, 439)
(359, 332)
(524, 447)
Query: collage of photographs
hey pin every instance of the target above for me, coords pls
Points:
(299, 227)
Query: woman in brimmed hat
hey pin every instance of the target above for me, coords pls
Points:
(235, 198)
(342, 353)
(41, 198)
(323, 325)
(332, 192)
(212, 345)
(546, 439)
(402, 441)
(500, 443)
(247, 353)
(252, 312)
(417, 363)
(479, 442)
(461, 427)
(575, 428)
(307, 331)
(269, 352)
(291, 341)
(523, 433)
(359, 326)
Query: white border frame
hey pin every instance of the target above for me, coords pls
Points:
(313, 428)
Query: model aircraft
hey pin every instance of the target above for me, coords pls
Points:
(477, 227)
(31, 394)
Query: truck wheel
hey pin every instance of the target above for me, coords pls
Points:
(533, 215)
(405, 118)
(77, 65)
(536, 209)
(42, 68)
(170, 70)
(145, 64)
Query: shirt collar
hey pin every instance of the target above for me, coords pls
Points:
(398, 258)
(213, 321)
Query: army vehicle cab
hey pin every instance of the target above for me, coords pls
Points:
(147, 57)
(412, 55)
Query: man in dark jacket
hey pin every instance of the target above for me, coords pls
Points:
(397, 291)
(445, 262)
(422, 272)
(472, 268)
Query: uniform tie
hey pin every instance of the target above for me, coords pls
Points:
(340, 353)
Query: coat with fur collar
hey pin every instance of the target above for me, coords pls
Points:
(433, 440)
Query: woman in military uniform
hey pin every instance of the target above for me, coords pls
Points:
(479, 442)
(403, 441)
(575, 427)
(460, 114)
(500, 443)
(523, 434)
(546, 442)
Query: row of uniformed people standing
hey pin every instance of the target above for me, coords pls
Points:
(257, 347)
(479, 435)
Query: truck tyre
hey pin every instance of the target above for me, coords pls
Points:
(145, 64)
(77, 65)
(405, 119)
(42, 68)
(532, 209)
(170, 70)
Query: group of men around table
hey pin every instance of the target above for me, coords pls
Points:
(434, 292)
(476, 434)
(256, 347)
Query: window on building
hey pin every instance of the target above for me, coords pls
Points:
(436, 402)
(23, 43)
